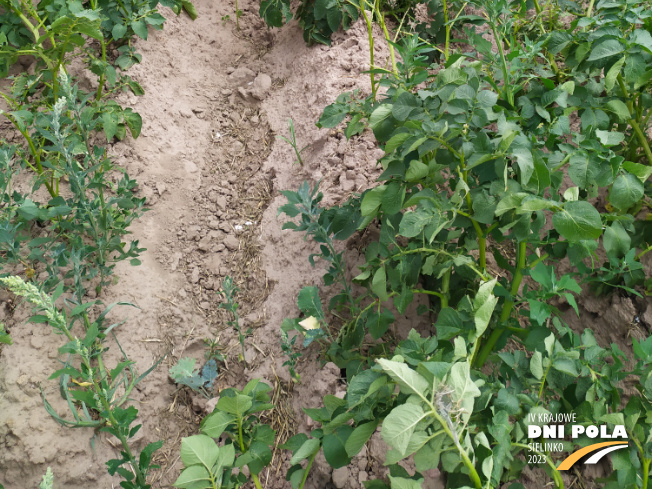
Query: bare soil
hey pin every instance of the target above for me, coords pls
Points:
(211, 169)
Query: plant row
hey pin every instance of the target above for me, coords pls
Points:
(66, 233)
(522, 152)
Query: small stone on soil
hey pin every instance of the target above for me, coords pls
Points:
(261, 86)
(190, 167)
(231, 242)
(340, 477)
(194, 277)
(241, 75)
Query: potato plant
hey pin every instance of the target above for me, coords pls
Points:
(500, 163)
(247, 441)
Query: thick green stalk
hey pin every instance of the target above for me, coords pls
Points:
(448, 30)
(445, 287)
(254, 477)
(305, 473)
(370, 34)
(473, 473)
(392, 55)
(633, 122)
(506, 82)
(559, 482)
(100, 88)
(482, 238)
(589, 9)
(507, 307)
(646, 472)
(516, 281)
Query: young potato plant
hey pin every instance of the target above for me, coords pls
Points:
(248, 441)
(94, 393)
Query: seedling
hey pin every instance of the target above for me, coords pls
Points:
(229, 290)
(4, 336)
(48, 480)
(292, 141)
(185, 373)
(238, 14)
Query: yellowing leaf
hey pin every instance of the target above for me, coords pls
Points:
(310, 322)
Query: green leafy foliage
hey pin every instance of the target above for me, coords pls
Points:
(491, 152)
(95, 394)
(48, 480)
(91, 202)
(229, 290)
(201, 380)
(248, 441)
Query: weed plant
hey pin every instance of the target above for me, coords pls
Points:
(292, 141)
(95, 394)
(76, 236)
(230, 305)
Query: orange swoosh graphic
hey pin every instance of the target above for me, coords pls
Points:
(575, 456)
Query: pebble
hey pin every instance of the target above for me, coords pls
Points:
(185, 112)
(261, 86)
(350, 163)
(231, 242)
(221, 202)
(345, 184)
(205, 244)
(333, 161)
(161, 188)
(193, 232)
(340, 477)
(194, 277)
(243, 93)
(190, 167)
(236, 147)
(241, 75)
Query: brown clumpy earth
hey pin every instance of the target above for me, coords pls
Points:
(211, 169)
